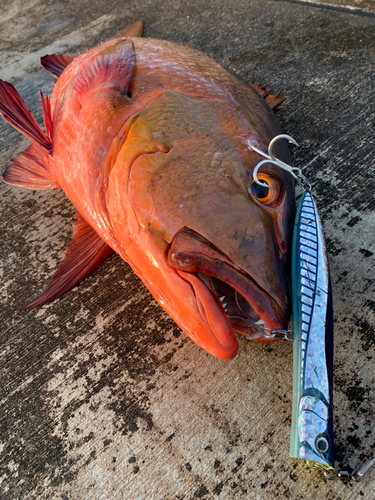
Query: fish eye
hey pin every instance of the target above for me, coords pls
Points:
(260, 192)
(270, 193)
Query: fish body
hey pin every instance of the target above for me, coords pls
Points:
(150, 142)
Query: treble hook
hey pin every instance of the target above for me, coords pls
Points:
(271, 158)
(272, 143)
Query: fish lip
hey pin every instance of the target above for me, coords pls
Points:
(261, 320)
(190, 252)
(253, 324)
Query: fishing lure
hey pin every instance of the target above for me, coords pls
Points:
(312, 426)
(312, 417)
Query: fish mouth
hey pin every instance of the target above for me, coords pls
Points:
(234, 297)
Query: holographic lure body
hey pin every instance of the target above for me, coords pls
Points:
(311, 436)
(312, 426)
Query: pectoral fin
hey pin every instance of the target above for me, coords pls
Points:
(113, 68)
(85, 252)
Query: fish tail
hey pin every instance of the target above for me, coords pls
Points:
(29, 169)
(47, 116)
(17, 114)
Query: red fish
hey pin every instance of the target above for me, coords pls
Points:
(150, 142)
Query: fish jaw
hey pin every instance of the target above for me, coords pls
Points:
(225, 281)
(216, 336)
(182, 295)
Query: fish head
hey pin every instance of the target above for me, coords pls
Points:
(221, 244)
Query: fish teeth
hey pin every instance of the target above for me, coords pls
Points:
(222, 298)
(260, 322)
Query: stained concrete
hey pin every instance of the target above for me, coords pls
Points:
(102, 396)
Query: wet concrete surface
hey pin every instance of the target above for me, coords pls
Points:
(101, 395)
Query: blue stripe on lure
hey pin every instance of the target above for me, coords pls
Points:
(312, 425)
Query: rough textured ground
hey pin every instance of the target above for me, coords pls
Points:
(358, 7)
(101, 395)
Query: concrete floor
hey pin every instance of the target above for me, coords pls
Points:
(101, 395)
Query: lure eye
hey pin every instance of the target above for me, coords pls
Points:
(269, 194)
(322, 444)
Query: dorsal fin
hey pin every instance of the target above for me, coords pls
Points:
(28, 170)
(114, 65)
(84, 253)
(135, 29)
(273, 101)
(17, 114)
(55, 63)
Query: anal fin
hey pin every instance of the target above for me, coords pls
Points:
(84, 253)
